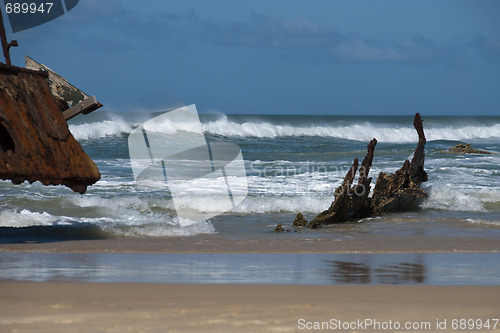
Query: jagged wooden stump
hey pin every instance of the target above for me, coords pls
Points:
(392, 193)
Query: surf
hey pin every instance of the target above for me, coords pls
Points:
(263, 127)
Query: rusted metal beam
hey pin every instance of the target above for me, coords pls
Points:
(5, 44)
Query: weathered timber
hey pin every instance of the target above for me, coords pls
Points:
(59, 86)
(394, 192)
(360, 206)
(86, 106)
(417, 172)
(351, 202)
(337, 211)
(35, 142)
(14, 70)
(399, 191)
(71, 100)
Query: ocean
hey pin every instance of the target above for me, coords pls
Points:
(293, 164)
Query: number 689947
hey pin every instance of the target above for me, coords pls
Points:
(28, 8)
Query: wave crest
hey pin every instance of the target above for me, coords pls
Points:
(363, 131)
(100, 129)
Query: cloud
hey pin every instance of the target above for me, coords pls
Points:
(300, 37)
(90, 11)
(415, 50)
(265, 32)
(100, 43)
(360, 50)
(487, 47)
(108, 25)
(114, 27)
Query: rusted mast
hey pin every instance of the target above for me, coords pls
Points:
(5, 45)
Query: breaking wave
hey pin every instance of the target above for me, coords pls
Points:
(19, 222)
(100, 129)
(447, 198)
(363, 131)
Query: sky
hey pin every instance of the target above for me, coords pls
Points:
(278, 56)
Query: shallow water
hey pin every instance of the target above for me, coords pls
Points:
(293, 164)
(311, 269)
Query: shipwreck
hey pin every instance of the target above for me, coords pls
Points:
(35, 141)
(392, 192)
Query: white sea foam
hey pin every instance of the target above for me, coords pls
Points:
(482, 221)
(26, 218)
(143, 215)
(100, 129)
(363, 131)
(140, 224)
(166, 125)
(142, 210)
(445, 197)
(282, 204)
(123, 206)
(162, 230)
(360, 132)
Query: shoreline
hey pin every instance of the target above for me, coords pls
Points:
(272, 243)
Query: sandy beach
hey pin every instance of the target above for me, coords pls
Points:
(77, 307)
(252, 166)
(72, 306)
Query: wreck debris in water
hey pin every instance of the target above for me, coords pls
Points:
(35, 142)
(394, 192)
(71, 100)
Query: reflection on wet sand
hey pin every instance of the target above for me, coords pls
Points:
(243, 268)
(401, 273)
(359, 273)
(350, 272)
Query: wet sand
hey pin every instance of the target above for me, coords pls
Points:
(271, 243)
(77, 307)
(466, 269)
(146, 307)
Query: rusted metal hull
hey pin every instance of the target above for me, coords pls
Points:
(35, 142)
